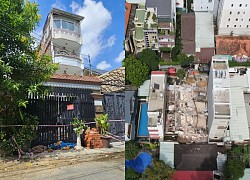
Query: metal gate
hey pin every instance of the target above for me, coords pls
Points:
(57, 110)
(114, 106)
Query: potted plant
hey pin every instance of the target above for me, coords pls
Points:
(103, 127)
(79, 128)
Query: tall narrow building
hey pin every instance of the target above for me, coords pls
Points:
(62, 39)
(219, 100)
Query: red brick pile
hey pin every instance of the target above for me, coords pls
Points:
(93, 139)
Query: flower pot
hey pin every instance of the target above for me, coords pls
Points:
(106, 141)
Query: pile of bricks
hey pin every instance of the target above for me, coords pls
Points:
(93, 139)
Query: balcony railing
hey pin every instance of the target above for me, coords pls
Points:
(67, 32)
(66, 53)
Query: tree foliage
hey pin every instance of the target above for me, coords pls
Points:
(130, 174)
(158, 171)
(136, 71)
(132, 149)
(181, 73)
(234, 169)
(237, 161)
(150, 58)
(22, 68)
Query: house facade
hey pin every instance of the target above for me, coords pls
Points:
(233, 17)
(219, 99)
(63, 40)
(156, 105)
(203, 5)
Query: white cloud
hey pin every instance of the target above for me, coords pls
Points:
(120, 57)
(103, 65)
(59, 5)
(74, 6)
(111, 41)
(96, 20)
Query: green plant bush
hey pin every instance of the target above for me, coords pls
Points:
(158, 171)
(132, 148)
(102, 124)
(79, 125)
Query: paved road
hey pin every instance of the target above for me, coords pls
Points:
(106, 169)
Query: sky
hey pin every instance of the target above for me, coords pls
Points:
(102, 28)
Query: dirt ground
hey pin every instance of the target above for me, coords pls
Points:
(13, 167)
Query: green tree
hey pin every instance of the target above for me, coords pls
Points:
(130, 174)
(158, 171)
(181, 73)
(150, 58)
(136, 71)
(22, 68)
(132, 149)
(234, 169)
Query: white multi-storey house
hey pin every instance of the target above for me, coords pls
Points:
(219, 103)
(203, 5)
(62, 39)
(233, 17)
(228, 102)
(156, 105)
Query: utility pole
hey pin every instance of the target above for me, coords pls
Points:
(90, 69)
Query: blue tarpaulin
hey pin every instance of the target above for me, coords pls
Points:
(61, 145)
(140, 163)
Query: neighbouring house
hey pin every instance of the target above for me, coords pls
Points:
(166, 40)
(228, 102)
(63, 40)
(188, 33)
(156, 105)
(113, 81)
(165, 12)
(233, 18)
(203, 5)
(236, 46)
(204, 37)
(150, 29)
(138, 34)
(129, 26)
(202, 156)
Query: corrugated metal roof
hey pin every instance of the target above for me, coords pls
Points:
(238, 122)
(204, 29)
(167, 152)
(163, 7)
(143, 90)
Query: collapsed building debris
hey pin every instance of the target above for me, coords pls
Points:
(187, 109)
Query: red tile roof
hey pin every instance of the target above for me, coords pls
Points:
(158, 72)
(127, 13)
(233, 45)
(205, 55)
(76, 78)
(193, 175)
